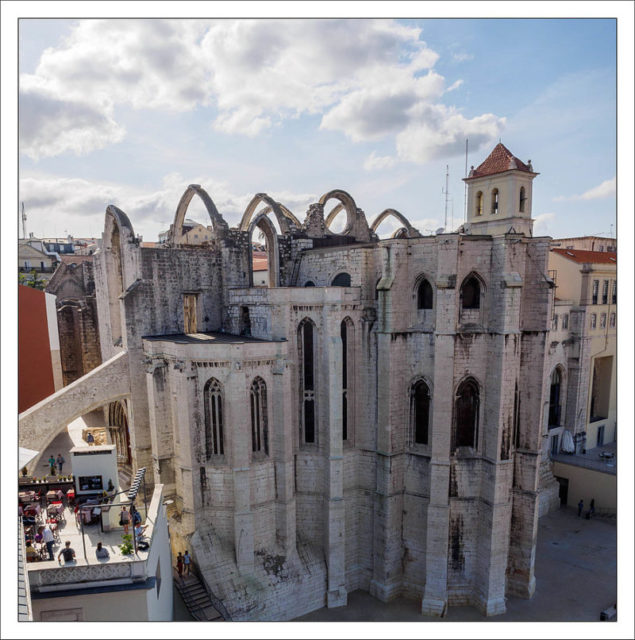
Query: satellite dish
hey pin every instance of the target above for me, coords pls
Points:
(439, 230)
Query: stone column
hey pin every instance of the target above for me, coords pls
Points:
(334, 543)
(237, 410)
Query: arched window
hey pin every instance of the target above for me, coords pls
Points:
(213, 401)
(306, 349)
(259, 430)
(419, 412)
(466, 409)
(347, 333)
(424, 295)
(479, 203)
(471, 293)
(554, 398)
(523, 197)
(309, 283)
(494, 201)
(341, 280)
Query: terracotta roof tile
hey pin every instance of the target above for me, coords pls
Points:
(500, 160)
(590, 257)
(260, 264)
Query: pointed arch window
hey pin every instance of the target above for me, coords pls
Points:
(522, 200)
(554, 398)
(306, 349)
(494, 201)
(424, 295)
(419, 412)
(213, 402)
(466, 415)
(259, 426)
(471, 293)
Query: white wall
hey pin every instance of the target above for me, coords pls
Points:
(100, 462)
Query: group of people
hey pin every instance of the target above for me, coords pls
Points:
(183, 563)
(59, 461)
(590, 512)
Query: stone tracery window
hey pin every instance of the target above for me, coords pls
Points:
(213, 403)
(259, 424)
(466, 415)
(306, 349)
(419, 412)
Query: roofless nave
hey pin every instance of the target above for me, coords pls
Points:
(371, 420)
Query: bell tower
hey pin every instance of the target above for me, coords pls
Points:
(499, 195)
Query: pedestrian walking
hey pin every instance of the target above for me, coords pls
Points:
(49, 540)
(580, 507)
(51, 462)
(187, 562)
(60, 462)
(179, 564)
(592, 508)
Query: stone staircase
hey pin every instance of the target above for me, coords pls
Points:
(196, 598)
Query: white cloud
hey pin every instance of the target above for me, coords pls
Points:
(542, 220)
(54, 204)
(604, 190)
(437, 131)
(374, 162)
(462, 57)
(367, 78)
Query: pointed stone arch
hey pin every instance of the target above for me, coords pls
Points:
(264, 223)
(411, 232)
(219, 225)
(347, 203)
(286, 220)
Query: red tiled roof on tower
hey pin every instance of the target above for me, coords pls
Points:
(500, 160)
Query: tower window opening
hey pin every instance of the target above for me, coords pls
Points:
(494, 201)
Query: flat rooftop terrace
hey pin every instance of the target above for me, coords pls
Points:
(603, 459)
(215, 337)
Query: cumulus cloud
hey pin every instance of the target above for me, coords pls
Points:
(437, 131)
(79, 205)
(462, 57)
(542, 222)
(375, 162)
(604, 190)
(368, 79)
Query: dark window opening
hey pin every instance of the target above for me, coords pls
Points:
(307, 391)
(309, 283)
(601, 388)
(554, 398)
(341, 280)
(523, 198)
(344, 380)
(213, 403)
(594, 295)
(420, 411)
(245, 322)
(614, 296)
(471, 294)
(466, 415)
(516, 416)
(605, 292)
(600, 437)
(555, 441)
(495, 201)
(424, 295)
(259, 426)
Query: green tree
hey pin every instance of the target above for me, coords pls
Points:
(32, 280)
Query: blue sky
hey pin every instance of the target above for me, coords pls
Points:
(131, 112)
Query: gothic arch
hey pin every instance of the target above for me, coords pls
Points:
(411, 231)
(347, 203)
(472, 291)
(287, 221)
(264, 223)
(219, 225)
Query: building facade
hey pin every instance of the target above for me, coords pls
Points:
(371, 419)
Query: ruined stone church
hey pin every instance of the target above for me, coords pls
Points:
(369, 420)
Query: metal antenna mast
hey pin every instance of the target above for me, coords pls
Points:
(23, 223)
